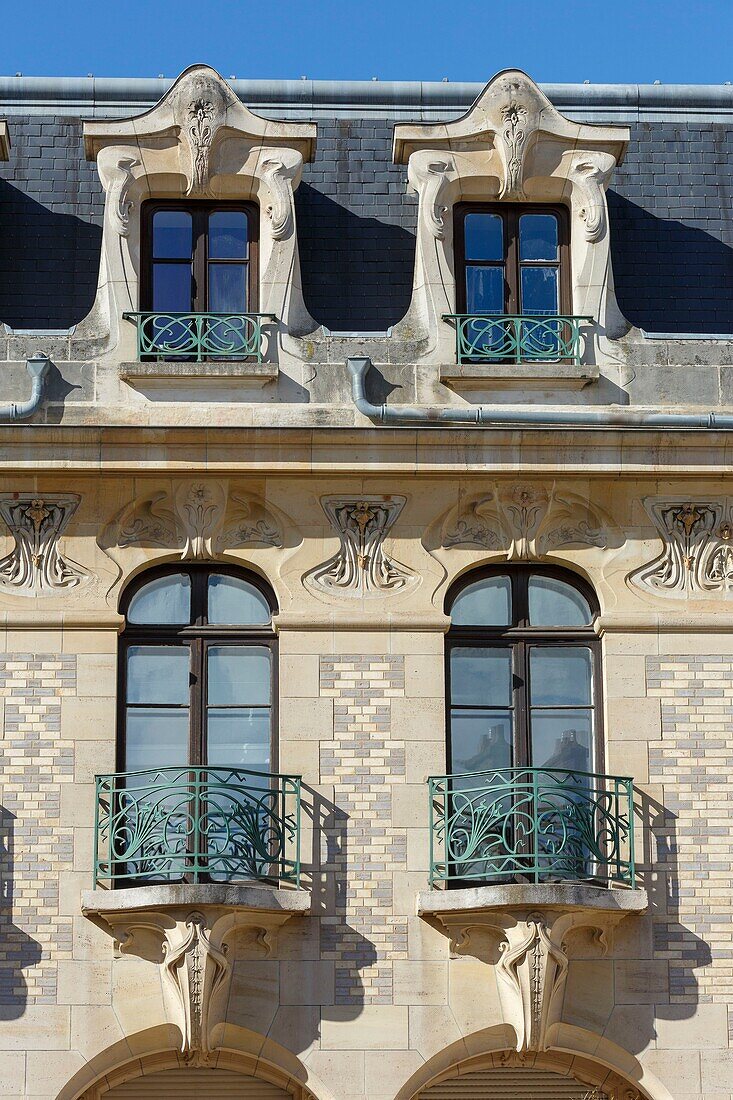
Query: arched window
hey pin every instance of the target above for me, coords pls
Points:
(523, 672)
(524, 796)
(197, 668)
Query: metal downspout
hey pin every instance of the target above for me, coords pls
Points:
(493, 416)
(37, 367)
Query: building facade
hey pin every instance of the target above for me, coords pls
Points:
(366, 663)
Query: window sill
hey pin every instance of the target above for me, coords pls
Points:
(251, 373)
(511, 376)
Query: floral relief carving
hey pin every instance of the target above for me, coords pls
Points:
(194, 970)
(514, 134)
(200, 135)
(361, 566)
(35, 565)
(199, 519)
(697, 548)
(526, 521)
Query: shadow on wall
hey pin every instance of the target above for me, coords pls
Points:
(669, 277)
(357, 271)
(18, 950)
(49, 263)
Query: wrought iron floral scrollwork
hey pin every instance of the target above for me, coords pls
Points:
(361, 566)
(510, 338)
(212, 824)
(35, 566)
(542, 824)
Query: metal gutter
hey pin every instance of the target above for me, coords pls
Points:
(37, 367)
(506, 416)
(100, 95)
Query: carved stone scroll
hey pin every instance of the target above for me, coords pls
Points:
(591, 171)
(35, 566)
(361, 566)
(697, 548)
(281, 209)
(430, 179)
(200, 519)
(525, 521)
(120, 204)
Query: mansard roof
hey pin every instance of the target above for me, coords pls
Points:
(669, 202)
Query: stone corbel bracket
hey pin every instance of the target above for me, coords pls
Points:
(35, 566)
(511, 145)
(696, 559)
(189, 932)
(532, 924)
(201, 141)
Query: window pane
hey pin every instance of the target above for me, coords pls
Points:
(228, 233)
(484, 290)
(155, 738)
(560, 676)
(158, 674)
(239, 738)
(539, 290)
(172, 235)
(481, 677)
(239, 675)
(171, 288)
(233, 602)
(484, 236)
(481, 740)
(165, 600)
(563, 739)
(485, 603)
(555, 603)
(538, 237)
(227, 288)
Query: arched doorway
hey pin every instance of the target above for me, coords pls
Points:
(512, 1084)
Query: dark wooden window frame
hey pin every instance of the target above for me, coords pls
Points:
(520, 638)
(199, 636)
(200, 211)
(510, 214)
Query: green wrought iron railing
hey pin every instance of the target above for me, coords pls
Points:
(531, 824)
(511, 338)
(196, 825)
(200, 336)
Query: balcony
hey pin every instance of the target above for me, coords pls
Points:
(532, 825)
(196, 825)
(517, 351)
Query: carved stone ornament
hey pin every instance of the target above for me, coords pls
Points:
(281, 209)
(35, 565)
(697, 548)
(518, 135)
(591, 172)
(361, 566)
(533, 962)
(194, 950)
(430, 178)
(200, 519)
(120, 204)
(526, 521)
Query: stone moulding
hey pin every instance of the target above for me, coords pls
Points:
(526, 521)
(198, 519)
(188, 931)
(35, 565)
(532, 924)
(697, 548)
(199, 141)
(512, 145)
(361, 566)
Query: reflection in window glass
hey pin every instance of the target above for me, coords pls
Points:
(157, 674)
(165, 601)
(239, 675)
(481, 740)
(485, 289)
(539, 289)
(560, 676)
(481, 676)
(485, 603)
(172, 235)
(553, 602)
(228, 233)
(227, 288)
(538, 237)
(484, 237)
(235, 602)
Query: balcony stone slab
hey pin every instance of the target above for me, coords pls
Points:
(250, 374)
(532, 924)
(518, 376)
(194, 934)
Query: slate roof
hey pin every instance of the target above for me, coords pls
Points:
(670, 208)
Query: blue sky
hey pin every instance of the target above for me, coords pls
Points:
(674, 41)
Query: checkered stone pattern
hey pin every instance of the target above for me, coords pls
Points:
(693, 761)
(34, 849)
(364, 850)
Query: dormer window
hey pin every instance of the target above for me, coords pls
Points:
(512, 259)
(199, 257)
